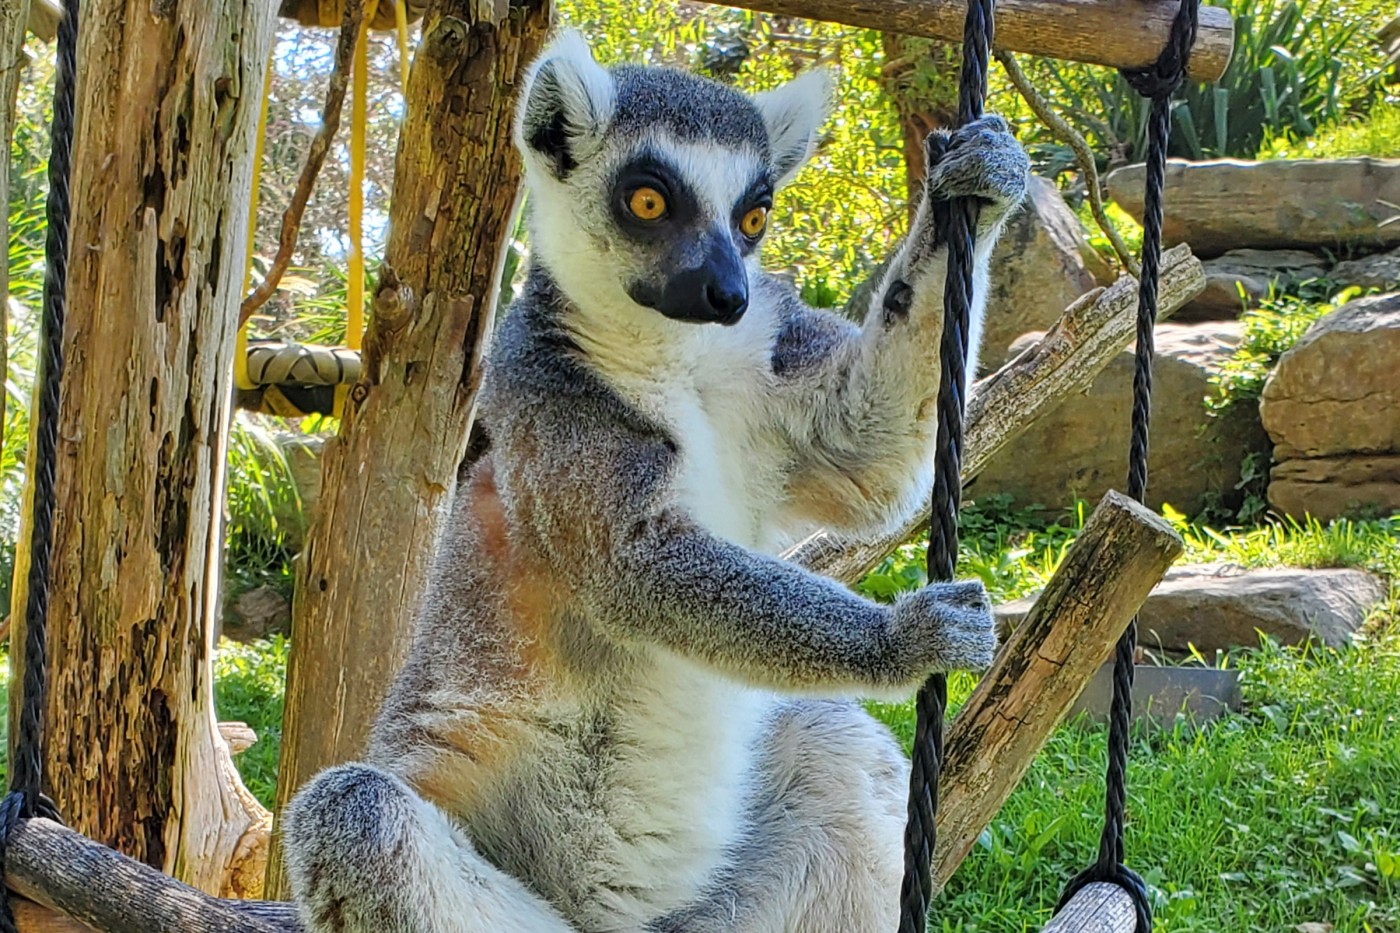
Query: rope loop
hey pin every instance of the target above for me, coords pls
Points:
(1163, 77)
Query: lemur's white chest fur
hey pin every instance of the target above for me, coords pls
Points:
(681, 778)
(705, 383)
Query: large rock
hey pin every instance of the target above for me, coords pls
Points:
(1381, 270)
(1300, 204)
(1240, 278)
(1041, 264)
(1215, 608)
(1080, 447)
(1332, 408)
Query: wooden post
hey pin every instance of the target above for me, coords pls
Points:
(1121, 554)
(1098, 908)
(167, 103)
(386, 477)
(1115, 33)
(1003, 405)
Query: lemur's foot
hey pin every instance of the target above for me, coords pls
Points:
(980, 160)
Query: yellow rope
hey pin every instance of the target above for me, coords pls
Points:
(401, 19)
(359, 101)
(240, 351)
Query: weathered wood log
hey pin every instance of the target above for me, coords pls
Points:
(42, 17)
(1120, 555)
(1003, 405)
(162, 160)
(59, 870)
(1098, 908)
(387, 474)
(1116, 33)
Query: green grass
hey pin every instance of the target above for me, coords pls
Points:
(1284, 814)
(248, 685)
(1377, 135)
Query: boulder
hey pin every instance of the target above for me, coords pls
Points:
(257, 613)
(1381, 270)
(1080, 447)
(1332, 409)
(1227, 204)
(1219, 607)
(1253, 272)
(1039, 267)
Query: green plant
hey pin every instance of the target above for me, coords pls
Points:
(1376, 135)
(1298, 65)
(249, 682)
(1267, 332)
(264, 508)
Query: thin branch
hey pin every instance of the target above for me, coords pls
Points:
(315, 158)
(1082, 154)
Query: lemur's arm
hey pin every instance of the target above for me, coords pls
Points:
(859, 404)
(594, 495)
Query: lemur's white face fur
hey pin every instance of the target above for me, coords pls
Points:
(649, 188)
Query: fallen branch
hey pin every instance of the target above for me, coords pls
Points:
(1002, 406)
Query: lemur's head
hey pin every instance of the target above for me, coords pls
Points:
(650, 187)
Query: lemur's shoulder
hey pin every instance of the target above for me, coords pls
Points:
(803, 336)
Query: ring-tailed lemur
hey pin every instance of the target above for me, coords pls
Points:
(612, 715)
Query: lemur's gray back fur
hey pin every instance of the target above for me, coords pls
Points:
(597, 728)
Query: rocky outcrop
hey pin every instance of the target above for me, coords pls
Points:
(1080, 447)
(1379, 271)
(1215, 608)
(1226, 204)
(1241, 277)
(1040, 266)
(1332, 408)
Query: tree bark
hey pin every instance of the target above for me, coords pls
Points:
(167, 102)
(388, 474)
(1098, 908)
(921, 77)
(1116, 33)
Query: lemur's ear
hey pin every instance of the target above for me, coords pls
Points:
(794, 113)
(566, 105)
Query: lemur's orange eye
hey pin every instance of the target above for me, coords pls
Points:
(647, 204)
(754, 221)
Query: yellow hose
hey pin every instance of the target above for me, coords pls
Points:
(359, 101)
(401, 19)
(240, 350)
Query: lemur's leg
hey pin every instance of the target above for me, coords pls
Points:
(368, 855)
(825, 852)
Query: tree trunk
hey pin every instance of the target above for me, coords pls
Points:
(167, 103)
(921, 77)
(389, 473)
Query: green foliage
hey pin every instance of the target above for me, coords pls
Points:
(263, 508)
(1378, 135)
(248, 687)
(1267, 332)
(1298, 65)
(1285, 814)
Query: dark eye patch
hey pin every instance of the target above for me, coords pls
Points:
(648, 170)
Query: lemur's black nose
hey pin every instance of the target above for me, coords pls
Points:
(727, 301)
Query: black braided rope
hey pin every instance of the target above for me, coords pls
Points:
(1157, 82)
(26, 797)
(958, 228)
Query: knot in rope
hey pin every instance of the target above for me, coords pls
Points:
(1163, 77)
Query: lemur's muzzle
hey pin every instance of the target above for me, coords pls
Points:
(714, 292)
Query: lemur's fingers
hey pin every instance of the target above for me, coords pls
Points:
(980, 160)
(947, 626)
